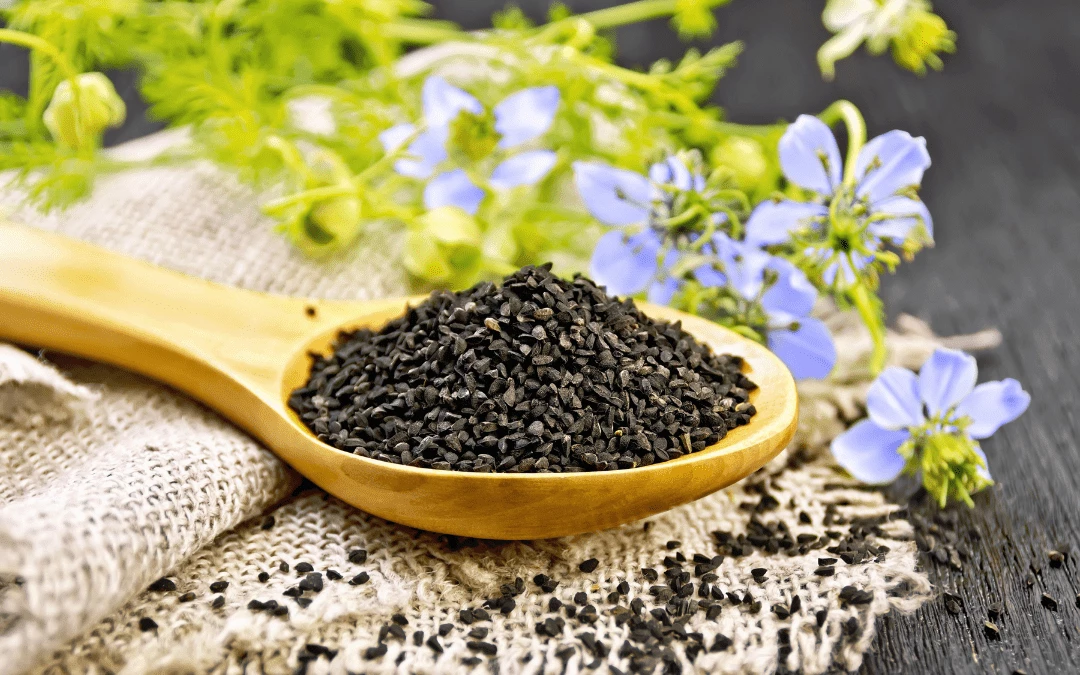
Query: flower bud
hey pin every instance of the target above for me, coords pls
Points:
(443, 247)
(80, 124)
(922, 36)
(745, 158)
(333, 223)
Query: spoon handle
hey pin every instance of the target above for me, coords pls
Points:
(209, 340)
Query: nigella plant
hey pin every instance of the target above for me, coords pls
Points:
(849, 215)
(671, 240)
(458, 136)
(930, 424)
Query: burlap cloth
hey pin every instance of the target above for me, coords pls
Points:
(109, 481)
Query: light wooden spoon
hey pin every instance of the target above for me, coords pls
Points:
(242, 353)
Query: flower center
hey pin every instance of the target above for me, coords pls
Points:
(473, 136)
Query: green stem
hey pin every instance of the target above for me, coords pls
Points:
(423, 31)
(872, 314)
(315, 194)
(846, 112)
(635, 12)
(722, 128)
(34, 42)
(642, 81)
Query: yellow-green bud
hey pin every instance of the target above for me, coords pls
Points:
(922, 36)
(333, 223)
(744, 157)
(80, 124)
(443, 246)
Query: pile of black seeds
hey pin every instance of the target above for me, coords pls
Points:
(536, 375)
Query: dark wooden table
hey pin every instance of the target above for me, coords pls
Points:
(1003, 125)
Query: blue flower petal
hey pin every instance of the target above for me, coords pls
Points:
(847, 270)
(908, 211)
(661, 292)
(672, 171)
(625, 265)
(745, 267)
(892, 161)
(983, 470)
(425, 153)
(614, 196)
(947, 377)
(809, 155)
(792, 293)
(993, 404)
(893, 399)
(525, 168)
(525, 115)
(808, 352)
(870, 453)
(773, 222)
(394, 137)
(453, 188)
(443, 101)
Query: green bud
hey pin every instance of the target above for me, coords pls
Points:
(78, 125)
(745, 158)
(443, 247)
(333, 223)
(693, 19)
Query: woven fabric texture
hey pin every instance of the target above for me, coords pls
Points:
(109, 481)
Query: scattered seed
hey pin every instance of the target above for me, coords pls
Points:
(991, 631)
(163, 585)
(399, 619)
(187, 597)
(218, 602)
(359, 579)
(1057, 559)
(374, 652)
(264, 577)
(825, 571)
(219, 586)
(1049, 602)
(953, 603)
(589, 565)
(304, 568)
(311, 582)
(995, 612)
(358, 556)
(147, 624)
(333, 575)
(283, 566)
(267, 523)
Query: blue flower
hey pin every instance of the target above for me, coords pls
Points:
(519, 118)
(625, 260)
(802, 342)
(848, 222)
(930, 422)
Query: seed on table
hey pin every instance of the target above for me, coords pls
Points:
(396, 630)
(820, 616)
(218, 586)
(333, 575)
(147, 624)
(358, 556)
(283, 566)
(649, 573)
(953, 603)
(482, 647)
(826, 561)
(1057, 558)
(478, 633)
(311, 582)
(554, 604)
(713, 612)
(673, 544)
(399, 619)
(163, 585)
(1049, 602)
(433, 641)
(292, 592)
(825, 571)
(267, 523)
(472, 661)
(466, 616)
(303, 602)
(264, 577)
(359, 579)
(589, 565)
(796, 604)
(218, 602)
(304, 568)
(623, 588)
(991, 631)
(280, 610)
(481, 614)
(372, 653)
(418, 638)
(581, 598)
(187, 597)
(721, 643)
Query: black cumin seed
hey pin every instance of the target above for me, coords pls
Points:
(825, 571)
(399, 619)
(218, 602)
(759, 572)
(472, 660)
(991, 631)
(539, 374)
(483, 647)
(283, 566)
(292, 592)
(826, 561)
(333, 575)
(589, 565)
(163, 585)
(995, 612)
(478, 633)
(673, 544)
(358, 556)
(311, 582)
(481, 614)
(147, 624)
(304, 568)
(187, 597)
(1057, 558)
(418, 638)
(554, 604)
(820, 616)
(264, 577)
(953, 603)
(796, 604)
(581, 598)
(359, 579)
(1049, 602)
(721, 643)
(303, 602)
(267, 523)
(444, 629)
(374, 652)
(218, 586)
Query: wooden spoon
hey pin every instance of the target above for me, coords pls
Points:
(242, 353)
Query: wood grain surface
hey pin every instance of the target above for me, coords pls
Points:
(1003, 127)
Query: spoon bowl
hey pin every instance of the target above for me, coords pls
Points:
(242, 353)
